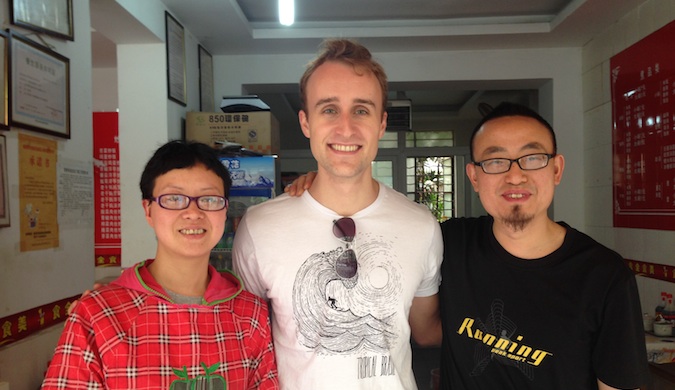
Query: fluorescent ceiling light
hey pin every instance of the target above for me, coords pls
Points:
(286, 12)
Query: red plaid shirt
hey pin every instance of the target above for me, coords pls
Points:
(129, 335)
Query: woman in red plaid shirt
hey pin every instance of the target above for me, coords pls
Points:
(172, 322)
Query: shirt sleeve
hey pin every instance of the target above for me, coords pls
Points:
(76, 362)
(265, 375)
(434, 256)
(244, 260)
(619, 355)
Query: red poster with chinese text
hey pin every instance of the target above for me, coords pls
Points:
(108, 239)
(643, 135)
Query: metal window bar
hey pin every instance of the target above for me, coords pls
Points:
(433, 184)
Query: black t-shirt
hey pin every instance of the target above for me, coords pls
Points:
(558, 322)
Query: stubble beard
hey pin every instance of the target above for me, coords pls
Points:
(517, 220)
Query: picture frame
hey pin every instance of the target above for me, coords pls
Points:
(51, 17)
(206, 100)
(4, 77)
(4, 184)
(175, 60)
(39, 87)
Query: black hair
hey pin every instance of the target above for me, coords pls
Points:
(512, 109)
(178, 155)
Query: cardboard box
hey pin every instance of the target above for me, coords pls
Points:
(257, 130)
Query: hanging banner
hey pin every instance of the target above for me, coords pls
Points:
(643, 136)
(37, 193)
(108, 237)
(24, 324)
(652, 270)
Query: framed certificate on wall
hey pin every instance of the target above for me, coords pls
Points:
(206, 103)
(4, 77)
(39, 88)
(52, 17)
(4, 184)
(175, 60)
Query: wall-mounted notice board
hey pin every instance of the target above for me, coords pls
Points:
(643, 135)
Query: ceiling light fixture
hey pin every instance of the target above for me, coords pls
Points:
(286, 12)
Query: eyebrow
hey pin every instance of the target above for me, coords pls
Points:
(529, 146)
(179, 188)
(334, 99)
(326, 101)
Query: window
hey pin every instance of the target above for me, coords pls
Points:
(428, 139)
(430, 182)
(389, 140)
(418, 164)
(383, 171)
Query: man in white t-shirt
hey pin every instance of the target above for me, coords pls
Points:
(351, 267)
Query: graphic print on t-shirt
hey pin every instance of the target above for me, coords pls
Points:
(497, 341)
(336, 315)
(208, 380)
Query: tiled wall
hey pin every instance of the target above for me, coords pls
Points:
(640, 244)
(650, 292)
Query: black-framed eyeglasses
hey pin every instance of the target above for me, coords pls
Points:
(530, 162)
(346, 265)
(181, 202)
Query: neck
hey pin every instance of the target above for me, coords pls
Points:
(185, 278)
(344, 196)
(533, 241)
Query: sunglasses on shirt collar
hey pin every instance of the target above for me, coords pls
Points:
(346, 265)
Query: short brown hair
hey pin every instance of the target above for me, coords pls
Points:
(348, 52)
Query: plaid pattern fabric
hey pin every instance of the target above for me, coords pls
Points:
(120, 338)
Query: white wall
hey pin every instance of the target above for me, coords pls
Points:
(143, 127)
(147, 117)
(656, 246)
(31, 279)
(104, 90)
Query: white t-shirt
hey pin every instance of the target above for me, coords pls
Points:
(330, 332)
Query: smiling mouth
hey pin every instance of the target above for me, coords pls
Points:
(515, 196)
(192, 231)
(344, 148)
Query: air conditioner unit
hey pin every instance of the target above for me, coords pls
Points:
(399, 115)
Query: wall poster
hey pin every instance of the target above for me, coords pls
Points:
(643, 135)
(37, 193)
(75, 181)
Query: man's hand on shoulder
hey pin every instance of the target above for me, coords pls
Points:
(301, 184)
(84, 294)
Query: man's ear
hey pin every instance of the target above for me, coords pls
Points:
(304, 123)
(559, 167)
(383, 125)
(471, 174)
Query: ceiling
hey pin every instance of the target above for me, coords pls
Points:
(251, 27)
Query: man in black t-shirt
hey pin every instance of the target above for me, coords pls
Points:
(527, 302)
